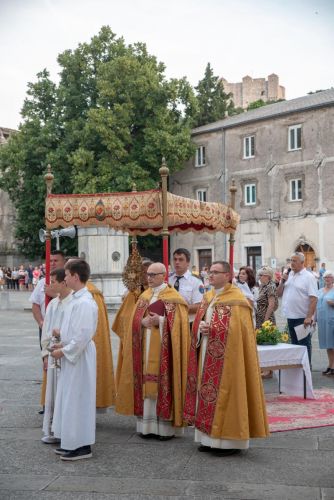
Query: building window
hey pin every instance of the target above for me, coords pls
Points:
(200, 156)
(254, 257)
(249, 146)
(296, 190)
(295, 137)
(250, 194)
(201, 195)
(204, 258)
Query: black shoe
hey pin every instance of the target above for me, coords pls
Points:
(165, 438)
(146, 436)
(78, 454)
(331, 373)
(326, 372)
(224, 452)
(41, 412)
(204, 449)
(60, 451)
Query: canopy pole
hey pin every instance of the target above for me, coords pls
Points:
(48, 177)
(232, 190)
(164, 172)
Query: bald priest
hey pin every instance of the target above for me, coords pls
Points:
(156, 345)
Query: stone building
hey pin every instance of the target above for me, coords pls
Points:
(8, 251)
(253, 89)
(282, 159)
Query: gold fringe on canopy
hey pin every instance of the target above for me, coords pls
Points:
(138, 213)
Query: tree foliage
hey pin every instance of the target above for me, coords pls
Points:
(106, 124)
(213, 102)
(260, 102)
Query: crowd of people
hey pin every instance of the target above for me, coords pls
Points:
(187, 354)
(22, 278)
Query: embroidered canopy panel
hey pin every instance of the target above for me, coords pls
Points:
(138, 213)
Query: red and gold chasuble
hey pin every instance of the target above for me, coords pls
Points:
(164, 377)
(206, 394)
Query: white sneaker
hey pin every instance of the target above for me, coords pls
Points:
(50, 440)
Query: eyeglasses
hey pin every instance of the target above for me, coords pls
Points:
(218, 272)
(153, 275)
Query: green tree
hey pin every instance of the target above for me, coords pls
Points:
(260, 102)
(107, 124)
(213, 102)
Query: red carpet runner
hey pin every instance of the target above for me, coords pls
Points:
(288, 413)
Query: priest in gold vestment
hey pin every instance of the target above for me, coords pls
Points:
(152, 379)
(224, 396)
(105, 384)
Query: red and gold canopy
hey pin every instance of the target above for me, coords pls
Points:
(138, 213)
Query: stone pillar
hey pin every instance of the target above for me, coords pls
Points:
(106, 251)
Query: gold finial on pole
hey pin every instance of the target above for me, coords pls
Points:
(164, 172)
(48, 177)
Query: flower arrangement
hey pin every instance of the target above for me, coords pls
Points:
(270, 334)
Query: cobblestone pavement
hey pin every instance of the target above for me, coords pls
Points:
(288, 465)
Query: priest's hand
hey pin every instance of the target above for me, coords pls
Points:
(204, 328)
(57, 354)
(151, 320)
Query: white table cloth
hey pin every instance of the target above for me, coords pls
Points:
(292, 379)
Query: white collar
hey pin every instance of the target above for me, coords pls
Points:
(159, 288)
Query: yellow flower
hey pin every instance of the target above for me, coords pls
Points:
(284, 337)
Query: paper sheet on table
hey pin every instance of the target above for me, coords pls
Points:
(303, 332)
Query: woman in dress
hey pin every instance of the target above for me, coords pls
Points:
(325, 320)
(267, 301)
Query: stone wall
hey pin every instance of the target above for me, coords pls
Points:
(253, 89)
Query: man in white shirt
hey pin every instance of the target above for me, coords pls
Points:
(299, 291)
(190, 287)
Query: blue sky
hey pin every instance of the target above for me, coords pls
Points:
(294, 39)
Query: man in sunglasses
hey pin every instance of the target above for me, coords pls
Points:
(224, 396)
(153, 386)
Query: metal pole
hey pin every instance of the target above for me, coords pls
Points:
(164, 172)
(233, 190)
(48, 181)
